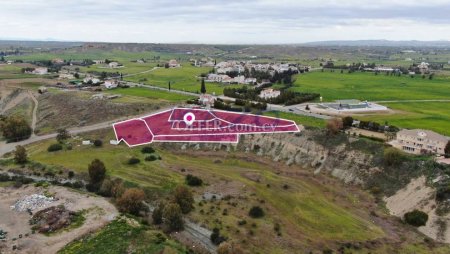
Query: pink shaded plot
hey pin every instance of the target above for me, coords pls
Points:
(227, 138)
(133, 132)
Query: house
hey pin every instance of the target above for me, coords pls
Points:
(113, 65)
(423, 67)
(40, 71)
(57, 61)
(98, 61)
(66, 75)
(420, 142)
(10, 62)
(91, 80)
(269, 93)
(111, 83)
(216, 78)
(174, 64)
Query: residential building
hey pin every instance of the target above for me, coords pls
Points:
(40, 71)
(207, 100)
(269, 93)
(174, 64)
(99, 61)
(420, 142)
(113, 64)
(111, 83)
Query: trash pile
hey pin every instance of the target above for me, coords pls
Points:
(32, 202)
(52, 219)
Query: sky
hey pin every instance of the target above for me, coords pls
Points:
(224, 21)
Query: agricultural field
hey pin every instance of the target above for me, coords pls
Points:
(151, 94)
(367, 86)
(13, 72)
(184, 78)
(426, 115)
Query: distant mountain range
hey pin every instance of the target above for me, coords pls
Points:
(380, 43)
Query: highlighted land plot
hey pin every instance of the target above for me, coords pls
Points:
(197, 125)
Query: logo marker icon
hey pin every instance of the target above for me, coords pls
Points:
(189, 118)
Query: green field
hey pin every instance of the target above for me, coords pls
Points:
(367, 86)
(151, 94)
(184, 78)
(128, 67)
(299, 119)
(426, 115)
(13, 72)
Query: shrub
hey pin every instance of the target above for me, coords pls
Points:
(416, 218)
(71, 174)
(63, 135)
(256, 212)
(131, 201)
(98, 143)
(216, 238)
(172, 217)
(183, 197)
(334, 125)
(54, 147)
(393, 156)
(193, 180)
(151, 157)
(15, 128)
(97, 171)
(20, 155)
(148, 149)
(133, 161)
(157, 214)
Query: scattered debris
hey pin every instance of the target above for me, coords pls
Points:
(32, 202)
(52, 219)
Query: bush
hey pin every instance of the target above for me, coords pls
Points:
(71, 174)
(63, 135)
(15, 128)
(183, 197)
(148, 149)
(157, 214)
(131, 201)
(334, 125)
(216, 238)
(193, 180)
(151, 157)
(172, 217)
(256, 212)
(393, 156)
(416, 218)
(133, 161)
(97, 171)
(20, 155)
(54, 147)
(98, 143)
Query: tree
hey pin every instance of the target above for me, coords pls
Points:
(447, 150)
(157, 214)
(216, 238)
(347, 121)
(183, 197)
(63, 135)
(193, 180)
(256, 212)
(98, 143)
(97, 171)
(172, 217)
(20, 155)
(15, 128)
(131, 201)
(334, 125)
(416, 218)
(203, 87)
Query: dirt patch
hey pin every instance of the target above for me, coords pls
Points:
(70, 109)
(99, 213)
(52, 219)
(417, 195)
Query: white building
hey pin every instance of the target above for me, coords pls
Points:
(40, 71)
(113, 65)
(207, 100)
(99, 61)
(111, 83)
(269, 93)
(420, 142)
(174, 64)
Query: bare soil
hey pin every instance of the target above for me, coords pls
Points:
(98, 213)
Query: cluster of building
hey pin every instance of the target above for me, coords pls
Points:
(225, 79)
